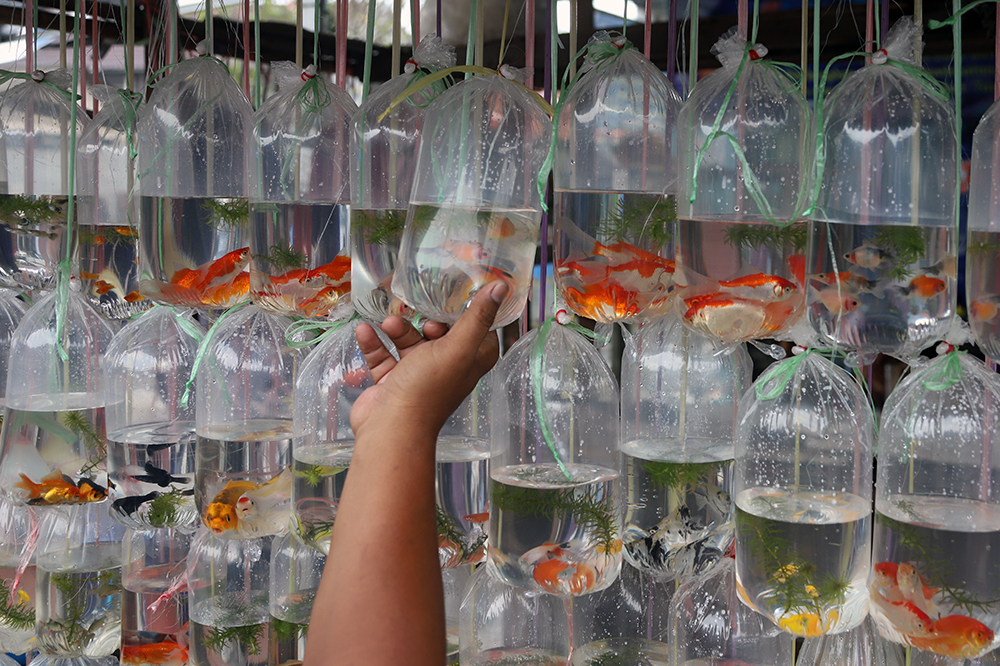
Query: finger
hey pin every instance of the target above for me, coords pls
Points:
(401, 332)
(434, 330)
(472, 327)
(488, 353)
(378, 358)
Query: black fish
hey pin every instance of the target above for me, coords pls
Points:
(160, 477)
(126, 506)
(153, 448)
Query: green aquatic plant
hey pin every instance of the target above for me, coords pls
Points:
(288, 631)
(641, 217)
(312, 531)
(588, 505)
(18, 210)
(624, 656)
(76, 592)
(449, 529)
(379, 226)
(935, 566)
(774, 237)
(86, 432)
(681, 475)
(227, 213)
(905, 245)
(164, 510)
(316, 474)
(107, 235)
(247, 637)
(983, 247)
(16, 613)
(283, 258)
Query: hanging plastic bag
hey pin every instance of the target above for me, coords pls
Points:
(17, 591)
(192, 183)
(982, 279)
(383, 161)
(11, 311)
(331, 379)
(555, 505)
(861, 646)
(108, 233)
(745, 149)
(615, 186)
(935, 518)
(680, 394)
(243, 419)
(296, 570)
(36, 133)
(803, 487)
(474, 209)
(299, 260)
(883, 268)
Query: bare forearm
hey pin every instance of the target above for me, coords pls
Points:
(380, 601)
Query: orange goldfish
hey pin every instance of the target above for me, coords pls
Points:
(334, 271)
(127, 231)
(87, 275)
(467, 253)
(477, 518)
(134, 297)
(324, 300)
(57, 488)
(250, 509)
(603, 299)
(984, 309)
(227, 292)
(867, 256)
(167, 653)
(761, 286)
(101, 287)
(224, 268)
(502, 229)
(837, 301)
(925, 286)
(729, 319)
(956, 636)
(552, 571)
(797, 265)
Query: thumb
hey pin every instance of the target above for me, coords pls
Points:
(471, 328)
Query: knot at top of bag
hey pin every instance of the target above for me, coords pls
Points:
(431, 54)
(603, 47)
(201, 48)
(515, 74)
(901, 43)
(732, 46)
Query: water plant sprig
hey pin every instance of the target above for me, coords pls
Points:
(771, 236)
(228, 213)
(164, 510)
(681, 475)
(17, 210)
(379, 226)
(85, 430)
(284, 257)
(641, 217)
(904, 244)
(316, 474)
(15, 614)
(247, 637)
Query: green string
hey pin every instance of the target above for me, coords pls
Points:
(537, 361)
(778, 376)
(130, 102)
(313, 97)
(934, 25)
(184, 323)
(301, 327)
(202, 349)
(943, 372)
(152, 82)
(369, 43)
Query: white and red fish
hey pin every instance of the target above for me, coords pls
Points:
(837, 301)
(947, 267)
(760, 286)
(249, 509)
(728, 318)
(868, 256)
(956, 636)
(925, 286)
(555, 569)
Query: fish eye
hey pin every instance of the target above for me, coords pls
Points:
(229, 519)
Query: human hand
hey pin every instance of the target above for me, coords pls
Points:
(436, 370)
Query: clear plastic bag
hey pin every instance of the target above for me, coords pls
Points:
(745, 151)
(615, 203)
(150, 426)
(936, 516)
(680, 393)
(35, 133)
(555, 497)
(635, 605)
(474, 209)
(108, 235)
(383, 161)
(54, 421)
(243, 419)
(331, 379)
(982, 277)
(803, 488)
(861, 646)
(11, 311)
(298, 149)
(883, 269)
(192, 183)
(17, 622)
(296, 570)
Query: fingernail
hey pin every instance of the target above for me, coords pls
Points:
(499, 291)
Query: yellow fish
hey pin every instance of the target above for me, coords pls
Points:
(251, 509)
(809, 625)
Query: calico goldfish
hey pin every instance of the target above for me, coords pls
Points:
(760, 286)
(956, 636)
(250, 509)
(167, 653)
(868, 256)
(984, 309)
(57, 488)
(553, 570)
(925, 286)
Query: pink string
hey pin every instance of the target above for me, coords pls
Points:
(672, 43)
(415, 28)
(83, 55)
(29, 36)
(95, 51)
(341, 42)
(246, 46)
(529, 41)
(996, 60)
(648, 34)
(547, 93)
(742, 11)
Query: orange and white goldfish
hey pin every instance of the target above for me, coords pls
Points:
(57, 488)
(760, 286)
(925, 286)
(221, 282)
(249, 509)
(956, 636)
(984, 309)
(836, 300)
(912, 587)
(167, 653)
(477, 518)
(501, 228)
(846, 280)
(609, 300)
(728, 318)
(224, 269)
(868, 256)
(554, 569)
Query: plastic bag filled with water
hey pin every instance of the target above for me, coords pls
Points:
(882, 254)
(555, 505)
(745, 151)
(296, 570)
(615, 185)
(192, 186)
(982, 277)
(384, 144)
(298, 162)
(936, 512)
(475, 208)
(803, 488)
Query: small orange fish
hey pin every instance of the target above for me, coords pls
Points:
(797, 265)
(867, 256)
(57, 488)
(925, 286)
(134, 297)
(477, 518)
(502, 229)
(610, 299)
(87, 275)
(167, 653)
(127, 231)
(956, 636)
(836, 300)
(554, 573)
(102, 287)
(760, 286)
(622, 252)
(983, 309)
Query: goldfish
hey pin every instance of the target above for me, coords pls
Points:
(223, 269)
(552, 570)
(101, 287)
(761, 286)
(904, 616)
(167, 653)
(925, 286)
(956, 636)
(477, 518)
(334, 271)
(134, 297)
(868, 256)
(984, 309)
(87, 275)
(219, 282)
(325, 300)
(837, 301)
(57, 488)
(610, 300)
(913, 589)
(947, 267)
(809, 625)
(250, 509)
(227, 292)
(127, 231)
(797, 265)
(730, 319)
(466, 253)
(846, 280)
(503, 228)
